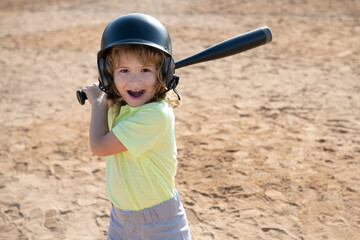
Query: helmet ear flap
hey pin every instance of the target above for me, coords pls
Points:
(104, 75)
(170, 80)
(168, 72)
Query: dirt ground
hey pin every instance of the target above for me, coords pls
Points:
(268, 140)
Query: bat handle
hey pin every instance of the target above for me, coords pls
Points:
(81, 97)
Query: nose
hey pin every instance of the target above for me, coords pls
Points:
(135, 78)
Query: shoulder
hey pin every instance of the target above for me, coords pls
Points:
(156, 111)
(156, 108)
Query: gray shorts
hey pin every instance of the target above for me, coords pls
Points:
(163, 221)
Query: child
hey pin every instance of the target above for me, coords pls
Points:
(133, 126)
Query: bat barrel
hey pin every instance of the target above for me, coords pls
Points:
(229, 47)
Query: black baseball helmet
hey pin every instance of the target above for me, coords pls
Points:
(136, 29)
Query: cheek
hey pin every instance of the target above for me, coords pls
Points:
(119, 83)
(152, 82)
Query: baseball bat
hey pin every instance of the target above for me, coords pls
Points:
(232, 46)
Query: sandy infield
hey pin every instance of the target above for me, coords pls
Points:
(268, 140)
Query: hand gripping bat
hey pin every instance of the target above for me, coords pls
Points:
(229, 47)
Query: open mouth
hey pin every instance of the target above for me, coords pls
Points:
(136, 93)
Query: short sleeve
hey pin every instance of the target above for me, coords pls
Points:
(142, 131)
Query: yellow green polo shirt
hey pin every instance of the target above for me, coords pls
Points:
(144, 175)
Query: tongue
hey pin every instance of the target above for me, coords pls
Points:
(136, 94)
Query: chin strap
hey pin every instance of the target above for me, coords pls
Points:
(176, 92)
(172, 86)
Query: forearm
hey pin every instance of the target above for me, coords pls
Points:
(98, 125)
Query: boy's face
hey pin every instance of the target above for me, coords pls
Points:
(136, 81)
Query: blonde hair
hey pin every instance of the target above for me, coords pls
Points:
(146, 55)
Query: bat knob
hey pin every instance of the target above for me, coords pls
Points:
(81, 97)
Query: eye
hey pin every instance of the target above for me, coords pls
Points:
(123, 70)
(146, 70)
